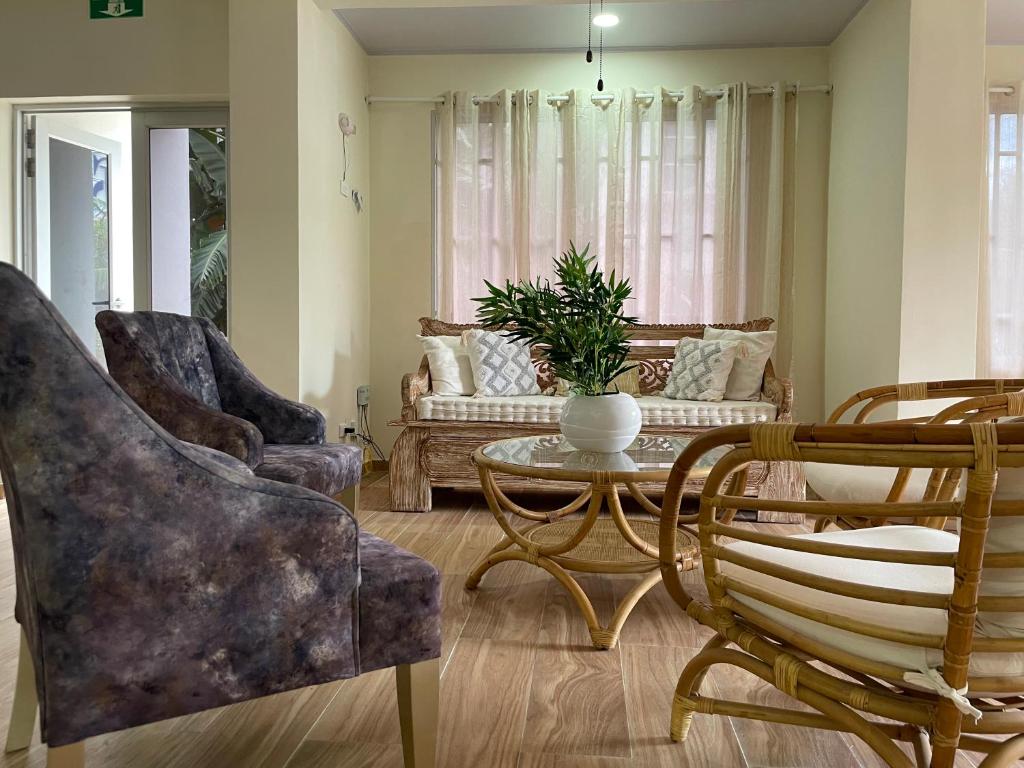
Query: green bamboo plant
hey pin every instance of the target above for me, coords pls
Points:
(577, 324)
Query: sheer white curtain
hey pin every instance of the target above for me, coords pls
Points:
(685, 196)
(1001, 321)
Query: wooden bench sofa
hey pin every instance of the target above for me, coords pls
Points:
(440, 433)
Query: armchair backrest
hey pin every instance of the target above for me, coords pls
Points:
(175, 342)
(121, 532)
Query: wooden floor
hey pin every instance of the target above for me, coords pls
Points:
(521, 686)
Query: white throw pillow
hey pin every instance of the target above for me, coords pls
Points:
(700, 369)
(450, 370)
(501, 367)
(748, 369)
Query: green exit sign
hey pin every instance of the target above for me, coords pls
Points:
(114, 9)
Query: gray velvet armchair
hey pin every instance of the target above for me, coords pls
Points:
(186, 376)
(156, 579)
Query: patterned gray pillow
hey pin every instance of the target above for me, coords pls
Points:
(500, 366)
(700, 370)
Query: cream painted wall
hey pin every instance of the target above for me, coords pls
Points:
(1004, 64)
(52, 48)
(869, 70)
(400, 171)
(264, 200)
(943, 193)
(334, 275)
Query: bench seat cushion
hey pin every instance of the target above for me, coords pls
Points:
(544, 409)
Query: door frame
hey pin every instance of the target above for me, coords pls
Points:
(38, 217)
(23, 222)
(143, 120)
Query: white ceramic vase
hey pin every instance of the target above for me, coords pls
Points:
(600, 423)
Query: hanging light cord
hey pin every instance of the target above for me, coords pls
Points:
(590, 16)
(600, 55)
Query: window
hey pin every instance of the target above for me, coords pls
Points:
(1001, 327)
(640, 190)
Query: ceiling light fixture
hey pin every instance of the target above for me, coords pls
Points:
(606, 20)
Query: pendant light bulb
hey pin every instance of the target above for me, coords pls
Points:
(606, 20)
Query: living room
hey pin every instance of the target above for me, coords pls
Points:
(518, 383)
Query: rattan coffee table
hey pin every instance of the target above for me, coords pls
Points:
(560, 541)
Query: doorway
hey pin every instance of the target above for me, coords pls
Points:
(126, 208)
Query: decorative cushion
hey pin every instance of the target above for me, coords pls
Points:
(700, 370)
(544, 409)
(848, 482)
(920, 578)
(501, 366)
(751, 357)
(328, 469)
(450, 370)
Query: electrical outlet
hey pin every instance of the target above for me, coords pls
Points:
(363, 395)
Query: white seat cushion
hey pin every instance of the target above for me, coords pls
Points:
(918, 578)
(848, 482)
(544, 409)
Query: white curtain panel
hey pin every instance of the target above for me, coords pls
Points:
(1001, 320)
(686, 196)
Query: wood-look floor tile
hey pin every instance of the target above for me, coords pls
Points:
(577, 700)
(364, 711)
(771, 745)
(650, 678)
(484, 694)
(322, 754)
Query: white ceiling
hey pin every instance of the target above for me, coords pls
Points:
(560, 27)
(1006, 22)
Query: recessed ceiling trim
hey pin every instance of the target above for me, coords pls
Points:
(560, 27)
(607, 49)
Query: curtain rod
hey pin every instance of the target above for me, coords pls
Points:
(640, 96)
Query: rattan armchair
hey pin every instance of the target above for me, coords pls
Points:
(893, 634)
(851, 483)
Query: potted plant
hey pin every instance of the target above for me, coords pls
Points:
(580, 329)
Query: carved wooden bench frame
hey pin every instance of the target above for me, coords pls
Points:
(436, 453)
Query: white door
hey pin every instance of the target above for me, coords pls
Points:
(70, 221)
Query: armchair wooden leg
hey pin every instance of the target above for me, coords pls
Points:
(350, 498)
(71, 756)
(418, 691)
(25, 703)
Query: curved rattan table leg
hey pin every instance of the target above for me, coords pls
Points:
(1006, 754)
(549, 565)
(623, 609)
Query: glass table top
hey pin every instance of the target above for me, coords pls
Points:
(648, 453)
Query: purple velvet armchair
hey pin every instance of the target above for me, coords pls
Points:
(156, 578)
(186, 376)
